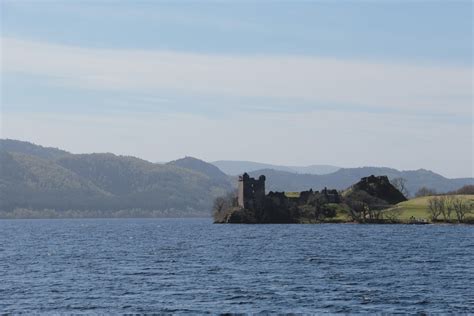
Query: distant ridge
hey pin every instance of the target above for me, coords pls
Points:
(343, 178)
(237, 167)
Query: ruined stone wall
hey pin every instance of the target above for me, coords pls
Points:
(251, 194)
(240, 192)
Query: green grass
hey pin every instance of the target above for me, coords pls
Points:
(418, 207)
(292, 194)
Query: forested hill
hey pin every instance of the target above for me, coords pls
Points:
(218, 177)
(345, 177)
(21, 147)
(38, 178)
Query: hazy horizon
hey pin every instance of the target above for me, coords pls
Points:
(345, 84)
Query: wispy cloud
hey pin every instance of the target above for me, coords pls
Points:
(445, 89)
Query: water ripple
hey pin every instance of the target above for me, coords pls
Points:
(194, 267)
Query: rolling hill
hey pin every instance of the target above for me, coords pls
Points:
(106, 182)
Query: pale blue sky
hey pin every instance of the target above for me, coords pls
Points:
(388, 80)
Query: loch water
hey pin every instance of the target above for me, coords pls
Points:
(193, 266)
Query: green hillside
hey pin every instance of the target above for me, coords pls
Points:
(418, 207)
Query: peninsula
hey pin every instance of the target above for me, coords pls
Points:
(362, 202)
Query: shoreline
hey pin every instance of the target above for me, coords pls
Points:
(349, 223)
(217, 223)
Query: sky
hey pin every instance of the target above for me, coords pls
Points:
(346, 83)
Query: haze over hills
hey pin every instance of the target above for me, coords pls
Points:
(236, 167)
(33, 177)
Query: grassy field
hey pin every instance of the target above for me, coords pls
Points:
(418, 207)
(402, 212)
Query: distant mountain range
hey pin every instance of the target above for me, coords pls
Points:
(37, 178)
(236, 167)
(345, 177)
(293, 178)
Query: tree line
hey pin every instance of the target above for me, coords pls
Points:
(449, 207)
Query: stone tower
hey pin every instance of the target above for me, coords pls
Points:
(251, 192)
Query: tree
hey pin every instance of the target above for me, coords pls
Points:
(461, 208)
(435, 208)
(357, 210)
(400, 184)
(424, 191)
(448, 206)
(317, 207)
(363, 206)
(467, 189)
(223, 204)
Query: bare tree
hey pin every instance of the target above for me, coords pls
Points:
(222, 205)
(461, 208)
(435, 208)
(363, 207)
(447, 206)
(357, 210)
(401, 185)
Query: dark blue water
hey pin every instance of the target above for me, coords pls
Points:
(193, 266)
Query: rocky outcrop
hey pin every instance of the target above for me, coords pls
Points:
(381, 188)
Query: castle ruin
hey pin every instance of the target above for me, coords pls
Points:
(251, 192)
(253, 205)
